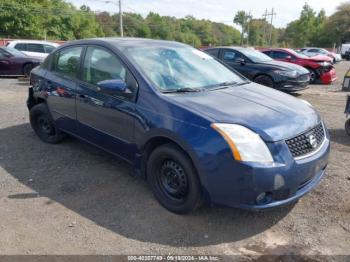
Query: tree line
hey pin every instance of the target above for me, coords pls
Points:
(60, 20)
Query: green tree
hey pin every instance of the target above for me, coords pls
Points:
(241, 19)
(337, 27)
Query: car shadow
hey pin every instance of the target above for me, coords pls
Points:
(102, 189)
(339, 136)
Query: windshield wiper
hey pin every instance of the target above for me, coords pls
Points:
(223, 85)
(182, 90)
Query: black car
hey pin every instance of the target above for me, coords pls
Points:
(261, 69)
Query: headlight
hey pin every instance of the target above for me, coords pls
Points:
(291, 74)
(324, 64)
(245, 145)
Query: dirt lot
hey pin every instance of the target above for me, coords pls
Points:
(75, 199)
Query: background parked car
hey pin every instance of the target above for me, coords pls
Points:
(345, 51)
(314, 51)
(262, 69)
(14, 62)
(320, 67)
(34, 48)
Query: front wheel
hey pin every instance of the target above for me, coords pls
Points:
(27, 68)
(173, 179)
(347, 127)
(313, 75)
(44, 126)
(264, 80)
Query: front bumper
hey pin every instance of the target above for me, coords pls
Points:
(237, 184)
(328, 77)
(292, 84)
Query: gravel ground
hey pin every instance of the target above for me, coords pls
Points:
(75, 199)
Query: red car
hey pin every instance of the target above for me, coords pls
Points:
(320, 67)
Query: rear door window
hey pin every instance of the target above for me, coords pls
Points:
(67, 61)
(280, 55)
(37, 48)
(213, 52)
(21, 47)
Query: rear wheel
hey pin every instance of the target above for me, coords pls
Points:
(44, 126)
(173, 179)
(347, 127)
(264, 80)
(27, 68)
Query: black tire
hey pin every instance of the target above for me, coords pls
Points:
(27, 68)
(347, 127)
(43, 124)
(313, 75)
(264, 80)
(174, 180)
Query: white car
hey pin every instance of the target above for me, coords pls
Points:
(314, 51)
(39, 49)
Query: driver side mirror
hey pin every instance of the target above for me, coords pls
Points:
(240, 61)
(289, 58)
(112, 86)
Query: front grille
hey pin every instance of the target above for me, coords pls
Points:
(304, 77)
(307, 142)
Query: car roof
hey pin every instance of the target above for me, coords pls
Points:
(34, 42)
(238, 48)
(126, 42)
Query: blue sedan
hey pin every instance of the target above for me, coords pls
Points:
(195, 129)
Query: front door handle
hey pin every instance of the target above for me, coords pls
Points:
(81, 96)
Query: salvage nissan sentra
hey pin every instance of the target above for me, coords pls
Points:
(195, 129)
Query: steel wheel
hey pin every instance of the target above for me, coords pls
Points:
(43, 124)
(172, 180)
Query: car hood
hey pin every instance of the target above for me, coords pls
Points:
(320, 58)
(272, 114)
(286, 66)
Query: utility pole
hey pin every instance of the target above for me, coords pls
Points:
(272, 14)
(265, 16)
(121, 19)
(249, 19)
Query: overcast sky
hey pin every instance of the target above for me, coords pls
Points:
(215, 10)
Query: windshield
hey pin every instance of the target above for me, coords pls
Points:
(14, 52)
(181, 67)
(297, 54)
(255, 56)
